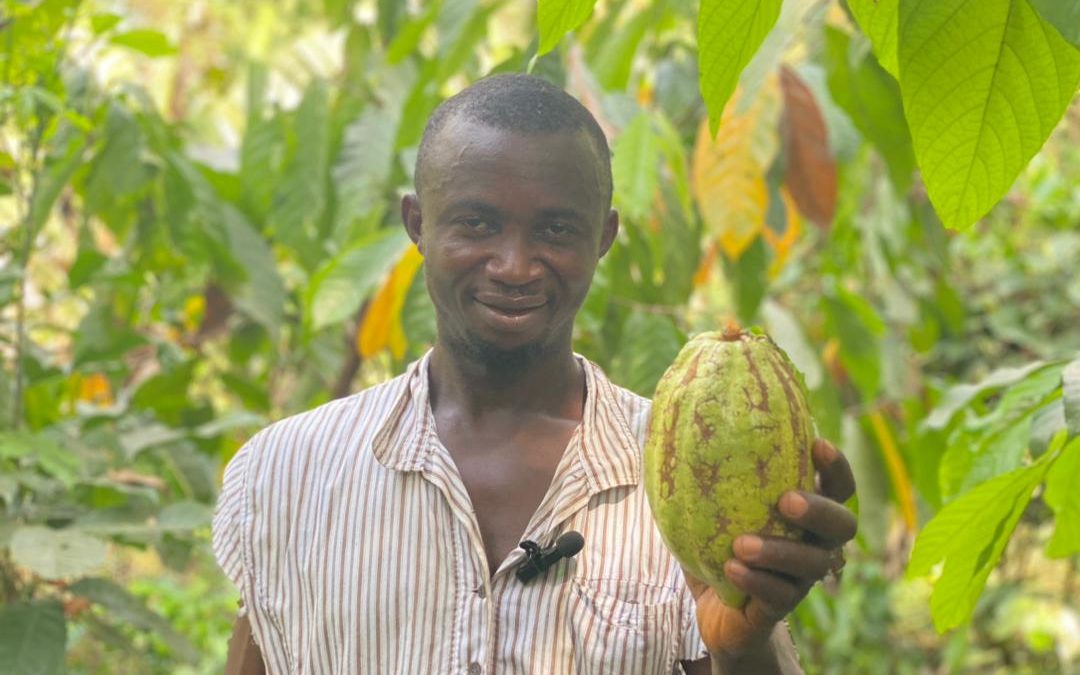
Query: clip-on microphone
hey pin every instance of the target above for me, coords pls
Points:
(537, 559)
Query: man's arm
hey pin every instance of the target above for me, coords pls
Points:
(244, 655)
(776, 573)
(778, 656)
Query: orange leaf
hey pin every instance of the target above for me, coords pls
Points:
(811, 170)
(95, 389)
(782, 244)
(381, 327)
(728, 172)
(708, 261)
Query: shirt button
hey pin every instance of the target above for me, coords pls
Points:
(475, 668)
(480, 592)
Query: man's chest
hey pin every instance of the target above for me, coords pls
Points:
(393, 573)
(507, 481)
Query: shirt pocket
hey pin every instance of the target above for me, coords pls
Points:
(621, 626)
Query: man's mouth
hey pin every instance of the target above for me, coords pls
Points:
(511, 306)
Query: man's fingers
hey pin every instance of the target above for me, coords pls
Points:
(797, 560)
(772, 596)
(827, 521)
(696, 586)
(837, 481)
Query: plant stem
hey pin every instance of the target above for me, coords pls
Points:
(23, 262)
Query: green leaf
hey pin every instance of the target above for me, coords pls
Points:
(749, 280)
(765, 62)
(878, 21)
(33, 638)
(57, 554)
(729, 34)
(615, 59)
(418, 316)
(301, 194)
(785, 330)
(462, 27)
(957, 535)
(184, 516)
(263, 297)
(649, 344)
(148, 436)
(390, 14)
(853, 320)
(260, 160)
(167, 392)
(339, 288)
(1048, 421)
(16, 445)
(59, 165)
(408, 36)
(556, 18)
(975, 457)
(117, 170)
(1070, 392)
(146, 41)
(984, 83)
(871, 98)
(102, 337)
(1063, 497)
(1064, 15)
(961, 395)
(363, 166)
(106, 21)
(634, 164)
(123, 606)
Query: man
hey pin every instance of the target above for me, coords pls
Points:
(380, 533)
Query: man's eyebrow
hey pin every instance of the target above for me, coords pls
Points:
(483, 208)
(564, 213)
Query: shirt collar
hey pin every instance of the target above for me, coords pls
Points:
(608, 452)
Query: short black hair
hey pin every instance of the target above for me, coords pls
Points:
(521, 103)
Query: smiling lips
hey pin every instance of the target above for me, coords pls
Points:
(510, 307)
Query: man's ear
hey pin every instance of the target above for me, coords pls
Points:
(412, 219)
(611, 228)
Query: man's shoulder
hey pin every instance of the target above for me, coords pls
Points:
(632, 404)
(342, 424)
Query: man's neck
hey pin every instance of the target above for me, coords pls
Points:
(553, 384)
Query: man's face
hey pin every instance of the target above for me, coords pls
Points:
(511, 227)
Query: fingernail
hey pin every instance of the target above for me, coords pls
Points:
(825, 450)
(749, 546)
(734, 569)
(793, 504)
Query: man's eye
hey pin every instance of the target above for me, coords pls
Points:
(479, 225)
(557, 229)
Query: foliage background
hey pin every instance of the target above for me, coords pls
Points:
(199, 236)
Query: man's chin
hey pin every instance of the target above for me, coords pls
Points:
(498, 358)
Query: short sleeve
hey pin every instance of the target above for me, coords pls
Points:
(230, 520)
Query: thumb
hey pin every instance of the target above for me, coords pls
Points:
(760, 616)
(696, 586)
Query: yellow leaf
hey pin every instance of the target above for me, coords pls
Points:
(897, 470)
(193, 312)
(95, 389)
(381, 327)
(781, 245)
(728, 173)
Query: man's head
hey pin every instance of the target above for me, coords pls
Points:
(518, 103)
(512, 214)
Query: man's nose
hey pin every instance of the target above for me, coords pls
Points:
(513, 262)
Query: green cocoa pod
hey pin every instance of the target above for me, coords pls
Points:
(730, 432)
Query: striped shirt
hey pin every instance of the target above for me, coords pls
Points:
(355, 547)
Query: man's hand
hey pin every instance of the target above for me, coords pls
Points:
(777, 573)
